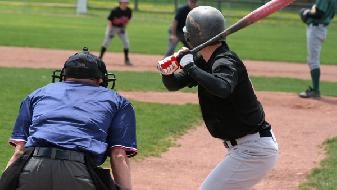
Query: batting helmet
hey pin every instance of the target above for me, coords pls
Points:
(84, 65)
(203, 23)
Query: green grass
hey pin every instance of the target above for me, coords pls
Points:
(280, 37)
(324, 177)
(156, 131)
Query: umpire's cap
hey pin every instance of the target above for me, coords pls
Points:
(84, 65)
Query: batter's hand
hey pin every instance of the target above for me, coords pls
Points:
(185, 57)
(168, 65)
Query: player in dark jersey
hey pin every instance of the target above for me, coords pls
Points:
(118, 19)
(229, 106)
(176, 33)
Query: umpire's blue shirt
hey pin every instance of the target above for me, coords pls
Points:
(77, 116)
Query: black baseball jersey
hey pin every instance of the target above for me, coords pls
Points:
(119, 17)
(180, 17)
(228, 103)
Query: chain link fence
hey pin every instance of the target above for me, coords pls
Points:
(165, 6)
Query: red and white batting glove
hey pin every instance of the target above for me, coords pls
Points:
(168, 65)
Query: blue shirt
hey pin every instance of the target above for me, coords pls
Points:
(77, 116)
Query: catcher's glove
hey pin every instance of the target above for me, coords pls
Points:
(304, 14)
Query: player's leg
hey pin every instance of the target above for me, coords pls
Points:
(109, 34)
(123, 35)
(315, 37)
(245, 165)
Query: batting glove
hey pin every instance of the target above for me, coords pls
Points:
(185, 57)
(168, 65)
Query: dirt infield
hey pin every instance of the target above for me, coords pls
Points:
(300, 125)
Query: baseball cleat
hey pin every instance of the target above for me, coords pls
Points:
(310, 93)
(128, 62)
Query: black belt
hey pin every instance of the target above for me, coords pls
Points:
(263, 133)
(317, 24)
(59, 154)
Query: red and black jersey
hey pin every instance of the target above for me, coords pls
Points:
(119, 17)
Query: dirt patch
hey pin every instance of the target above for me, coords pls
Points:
(48, 58)
(300, 125)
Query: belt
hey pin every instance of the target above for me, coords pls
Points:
(317, 24)
(58, 154)
(234, 142)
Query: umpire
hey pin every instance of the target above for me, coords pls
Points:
(66, 129)
(228, 103)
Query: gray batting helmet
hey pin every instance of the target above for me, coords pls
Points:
(203, 23)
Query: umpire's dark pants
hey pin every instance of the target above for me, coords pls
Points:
(45, 173)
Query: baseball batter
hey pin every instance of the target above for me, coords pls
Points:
(229, 106)
(118, 19)
(317, 19)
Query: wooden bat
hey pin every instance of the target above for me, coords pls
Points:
(256, 15)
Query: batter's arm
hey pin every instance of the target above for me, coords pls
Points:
(221, 82)
(176, 81)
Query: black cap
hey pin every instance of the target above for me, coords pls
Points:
(83, 65)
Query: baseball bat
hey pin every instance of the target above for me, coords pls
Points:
(256, 15)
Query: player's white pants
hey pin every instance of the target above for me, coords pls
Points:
(111, 32)
(315, 37)
(244, 165)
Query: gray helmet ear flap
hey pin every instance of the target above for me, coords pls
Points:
(202, 24)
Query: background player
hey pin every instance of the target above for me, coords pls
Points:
(317, 19)
(228, 103)
(176, 33)
(118, 19)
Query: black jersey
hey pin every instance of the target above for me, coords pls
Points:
(180, 17)
(119, 17)
(228, 103)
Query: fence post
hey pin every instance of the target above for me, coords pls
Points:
(219, 5)
(81, 7)
(136, 5)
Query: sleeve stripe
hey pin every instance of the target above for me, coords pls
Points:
(14, 142)
(130, 151)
